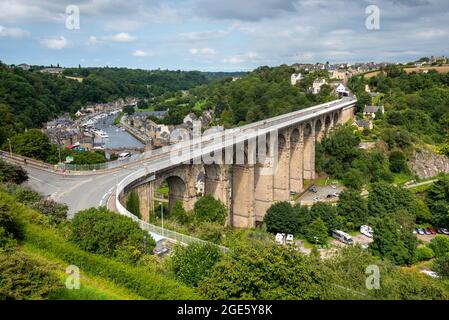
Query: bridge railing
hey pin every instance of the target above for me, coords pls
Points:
(169, 234)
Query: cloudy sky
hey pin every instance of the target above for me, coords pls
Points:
(222, 35)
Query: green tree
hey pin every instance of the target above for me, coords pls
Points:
(104, 232)
(209, 209)
(133, 204)
(398, 162)
(281, 217)
(33, 144)
(193, 263)
(440, 245)
(354, 179)
(12, 173)
(391, 242)
(180, 214)
(441, 266)
(327, 213)
(263, 270)
(384, 198)
(317, 232)
(353, 208)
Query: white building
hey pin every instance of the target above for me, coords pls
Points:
(341, 90)
(295, 78)
(317, 84)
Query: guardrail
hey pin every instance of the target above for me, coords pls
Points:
(169, 234)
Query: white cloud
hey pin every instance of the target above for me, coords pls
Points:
(203, 52)
(93, 40)
(140, 53)
(122, 37)
(241, 58)
(56, 43)
(432, 34)
(13, 32)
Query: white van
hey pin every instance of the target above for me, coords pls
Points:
(342, 236)
(124, 155)
(367, 231)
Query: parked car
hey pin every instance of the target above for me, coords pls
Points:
(432, 231)
(440, 231)
(445, 231)
(316, 199)
(427, 231)
(333, 186)
(313, 189)
(336, 194)
(421, 231)
(415, 231)
(329, 196)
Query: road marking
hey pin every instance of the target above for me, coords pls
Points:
(106, 195)
(41, 181)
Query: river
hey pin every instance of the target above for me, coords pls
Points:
(117, 137)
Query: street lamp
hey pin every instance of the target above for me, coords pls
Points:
(162, 215)
(10, 148)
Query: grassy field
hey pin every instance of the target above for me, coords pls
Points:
(401, 178)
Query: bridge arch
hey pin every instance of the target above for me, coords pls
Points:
(327, 125)
(318, 129)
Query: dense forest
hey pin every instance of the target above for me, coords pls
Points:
(30, 98)
(263, 93)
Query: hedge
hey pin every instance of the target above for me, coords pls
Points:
(148, 285)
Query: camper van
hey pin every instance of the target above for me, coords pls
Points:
(342, 236)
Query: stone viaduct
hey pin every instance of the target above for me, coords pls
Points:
(250, 187)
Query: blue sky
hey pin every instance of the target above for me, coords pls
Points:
(226, 35)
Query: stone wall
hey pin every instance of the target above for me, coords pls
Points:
(426, 164)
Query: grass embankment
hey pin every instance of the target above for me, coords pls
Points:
(137, 280)
(101, 277)
(91, 287)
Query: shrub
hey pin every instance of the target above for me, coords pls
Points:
(26, 196)
(10, 221)
(55, 212)
(210, 231)
(12, 173)
(179, 214)
(441, 266)
(193, 263)
(209, 209)
(424, 253)
(24, 278)
(101, 231)
(440, 245)
(281, 217)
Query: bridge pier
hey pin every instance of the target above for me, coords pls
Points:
(243, 196)
(281, 183)
(296, 161)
